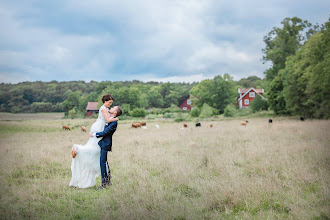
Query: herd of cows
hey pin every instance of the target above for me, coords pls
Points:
(185, 125)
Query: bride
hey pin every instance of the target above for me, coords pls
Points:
(85, 166)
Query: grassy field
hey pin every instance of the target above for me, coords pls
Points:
(229, 171)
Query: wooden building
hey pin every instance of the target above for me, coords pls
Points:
(247, 95)
(92, 108)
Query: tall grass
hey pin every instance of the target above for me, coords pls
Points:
(228, 171)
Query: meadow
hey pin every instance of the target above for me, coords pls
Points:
(261, 171)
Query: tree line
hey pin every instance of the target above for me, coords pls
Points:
(57, 96)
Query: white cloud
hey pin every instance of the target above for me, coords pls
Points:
(102, 39)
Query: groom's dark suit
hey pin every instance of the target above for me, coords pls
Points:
(106, 145)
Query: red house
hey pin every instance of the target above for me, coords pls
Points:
(247, 95)
(186, 103)
(92, 108)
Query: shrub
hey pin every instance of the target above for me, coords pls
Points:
(195, 112)
(72, 113)
(230, 111)
(138, 112)
(126, 108)
(258, 104)
(207, 111)
(179, 119)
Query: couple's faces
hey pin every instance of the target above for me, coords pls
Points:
(108, 103)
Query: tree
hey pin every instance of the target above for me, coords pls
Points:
(155, 99)
(249, 82)
(280, 44)
(306, 77)
(283, 42)
(217, 93)
(276, 96)
(71, 102)
(258, 104)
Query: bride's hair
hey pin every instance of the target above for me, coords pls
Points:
(107, 97)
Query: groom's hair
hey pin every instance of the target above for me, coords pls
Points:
(107, 97)
(119, 111)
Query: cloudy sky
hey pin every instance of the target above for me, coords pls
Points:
(147, 40)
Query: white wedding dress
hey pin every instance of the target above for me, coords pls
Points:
(85, 167)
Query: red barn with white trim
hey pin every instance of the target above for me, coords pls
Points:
(247, 95)
(186, 104)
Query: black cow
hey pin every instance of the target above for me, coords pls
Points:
(270, 120)
(302, 119)
(198, 124)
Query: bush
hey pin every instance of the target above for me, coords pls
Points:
(179, 119)
(195, 112)
(207, 111)
(138, 112)
(72, 113)
(258, 104)
(126, 108)
(230, 111)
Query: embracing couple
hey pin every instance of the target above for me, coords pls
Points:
(90, 160)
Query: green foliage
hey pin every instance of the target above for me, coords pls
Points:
(126, 108)
(155, 99)
(287, 91)
(276, 96)
(71, 102)
(230, 111)
(251, 81)
(207, 111)
(306, 77)
(217, 93)
(283, 42)
(258, 104)
(195, 112)
(72, 113)
(138, 112)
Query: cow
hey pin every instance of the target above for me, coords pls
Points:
(65, 127)
(270, 120)
(198, 124)
(143, 123)
(211, 125)
(302, 119)
(244, 122)
(185, 125)
(136, 125)
(83, 128)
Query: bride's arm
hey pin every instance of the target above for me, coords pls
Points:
(106, 116)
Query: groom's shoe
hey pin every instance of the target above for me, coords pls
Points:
(103, 186)
(108, 181)
(74, 153)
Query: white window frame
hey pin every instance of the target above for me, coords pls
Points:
(252, 94)
(188, 102)
(184, 108)
(246, 101)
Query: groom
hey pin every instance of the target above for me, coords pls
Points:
(106, 145)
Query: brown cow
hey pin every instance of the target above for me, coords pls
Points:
(143, 123)
(244, 122)
(83, 128)
(136, 125)
(211, 125)
(185, 125)
(65, 127)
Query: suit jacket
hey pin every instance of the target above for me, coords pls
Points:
(106, 141)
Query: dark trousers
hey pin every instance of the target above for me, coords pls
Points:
(105, 169)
